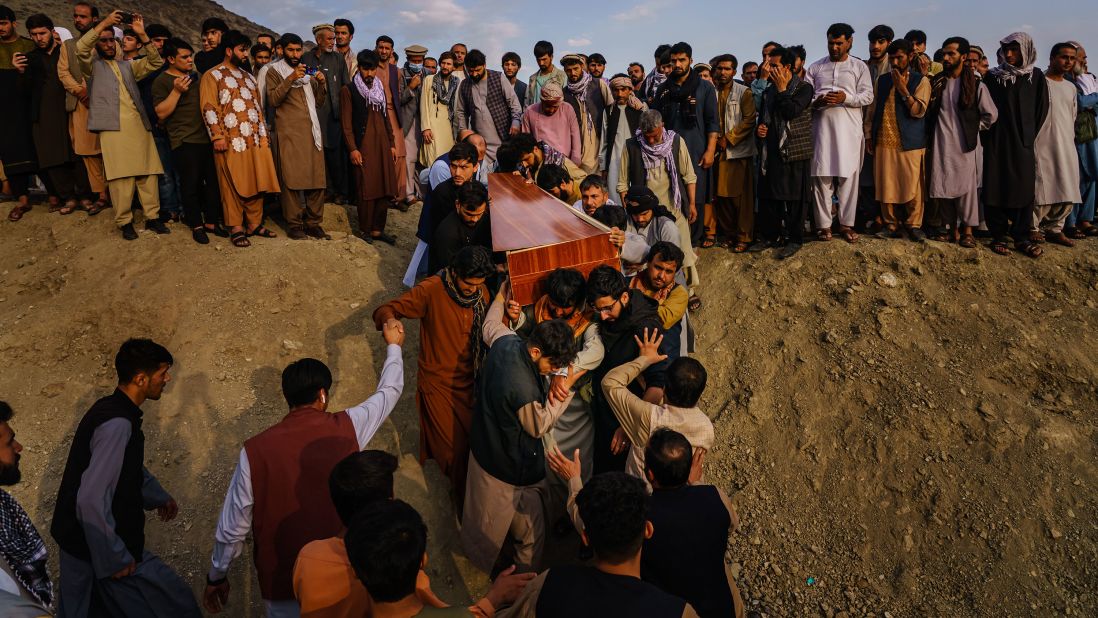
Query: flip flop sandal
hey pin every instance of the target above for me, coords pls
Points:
(96, 208)
(262, 232)
(240, 239)
(999, 248)
(694, 303)
(18, 212)
(70, 207)
(823, 235)
(968, 241)
(55, 204)
(1031, 249)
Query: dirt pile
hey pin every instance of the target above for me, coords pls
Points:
(910, 428)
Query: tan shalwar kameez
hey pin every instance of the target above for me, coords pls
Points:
(301, 161)
(231, 111)
(898, 174)
(735, 197)
(84, 143)
(434, 116)
(130, 159)
(657, 181)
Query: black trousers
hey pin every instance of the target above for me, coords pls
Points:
(198, 184)
(1006, 223)
(63, 182)
(778, 218)
(336, 160)
(20, 184)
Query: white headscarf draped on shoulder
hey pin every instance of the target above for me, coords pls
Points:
(1008, 72)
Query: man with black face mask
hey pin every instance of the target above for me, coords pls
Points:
(28, 591)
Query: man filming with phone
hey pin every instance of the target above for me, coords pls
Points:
(297, 96)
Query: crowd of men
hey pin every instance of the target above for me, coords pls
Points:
(578, 414)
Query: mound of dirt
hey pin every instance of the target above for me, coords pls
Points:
(906, 430)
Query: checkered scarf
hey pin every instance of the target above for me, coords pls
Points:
(23, 549)
(662, 155)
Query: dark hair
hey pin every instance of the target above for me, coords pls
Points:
(880, 32)
(771, 44)
(235, 38)
(38, 20)
(566, 288)
(543, 48)
(784, 56)
(798, 51)
(303, 379)
(214, 23)
(551, 177)
(507, 158)
(472, 195)
(636, 64)
(384, 39)
(612, 215)
(130, 32)
(140, 356)
(259, 47)
(667, 252)
(266, 35)
(385, 545)
(5, 412)
(605, 281)
(901, 45)
(963, 46)
(597, 58)
(593, 180)
(725, 58)
(916, 36)
(664, 59)
(360, 479)
(6, 14)
(94, 9)
(668, 456)
(524, 143)
(1052, 55)
(661, 49)
(345, 22)
(368, 59)
(840, 29)
(750, 63)
(513, 57)
(643, 197)
(291, 39)
(463, 151)
(155, 31)
(472, 262)
(939, 55)
(446, 55)
(173, 45)
(685, 382)
(556, 340)
(682, 47)
(475, 58)
(614, 509)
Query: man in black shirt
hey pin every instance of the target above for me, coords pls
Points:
(466, 225)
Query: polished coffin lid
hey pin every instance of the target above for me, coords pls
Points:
(540, 233)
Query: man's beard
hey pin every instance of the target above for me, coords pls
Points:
(369, 81)
(677, 72)
(636, 80)
(949, 68)
(478, 77)
(444, 73)
(293, 62)
(106, 55)
(1078, 69)
(10, 475)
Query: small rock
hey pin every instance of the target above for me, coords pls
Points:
(290, 346)
(354, 305)
(887, 280)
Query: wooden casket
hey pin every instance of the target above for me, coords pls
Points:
(540, 233)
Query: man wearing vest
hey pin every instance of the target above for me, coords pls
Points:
(504, 494)
(129, 152)
(486, 105)
(622, 121)
(279, 490)
(896, 137)
(735, 203)
(99, 518)
(589, 98)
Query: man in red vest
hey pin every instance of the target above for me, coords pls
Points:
(279, 490)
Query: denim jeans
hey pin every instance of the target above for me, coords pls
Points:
(170, 202)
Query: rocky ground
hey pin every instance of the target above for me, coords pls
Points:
(906, 430)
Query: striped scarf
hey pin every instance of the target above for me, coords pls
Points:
(374, 92)
(479, 307)
(662, 154)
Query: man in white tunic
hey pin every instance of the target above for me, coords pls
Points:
(960, 108)
(842, 87)
(1058, 188)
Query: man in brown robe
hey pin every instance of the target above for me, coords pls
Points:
(451, 307)
(390, 77)
(242, 150)
(84, 143)
(370, 140)
(296, 93)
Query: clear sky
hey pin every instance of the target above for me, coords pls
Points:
(628, 30)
